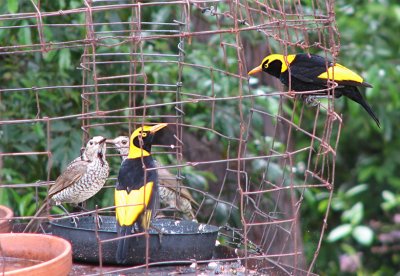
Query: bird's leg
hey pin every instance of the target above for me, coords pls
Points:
(311, 100)
(80, 207)
(41, 228)
(136, 227)
(159, 231)
(73, 218)
(99, 221)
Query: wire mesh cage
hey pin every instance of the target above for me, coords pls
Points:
(247, 151)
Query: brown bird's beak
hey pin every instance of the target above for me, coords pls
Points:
(156, 128)
(110, 141)
(255, 70)
(103, 140)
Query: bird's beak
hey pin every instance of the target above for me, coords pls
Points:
(110, 141)
(102, 141)
(255, 70)
(156, 128)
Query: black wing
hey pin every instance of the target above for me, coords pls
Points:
(307, 68)
(132, 176)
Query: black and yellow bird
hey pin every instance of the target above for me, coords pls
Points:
(172, 193)
(306, 72)
(136, 192)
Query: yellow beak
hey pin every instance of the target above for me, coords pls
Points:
(255, 70)
(156, 128)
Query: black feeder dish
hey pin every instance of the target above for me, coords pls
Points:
(180, 241)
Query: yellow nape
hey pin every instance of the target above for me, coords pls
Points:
(284, 59)
(135, 152)
(136, 199)
(340, 73)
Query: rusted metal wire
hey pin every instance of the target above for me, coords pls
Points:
(266, 198)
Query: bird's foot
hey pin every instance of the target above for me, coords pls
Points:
(159, 231)
(74, 221)
(311, 100)
(98, 220)
(291, 94)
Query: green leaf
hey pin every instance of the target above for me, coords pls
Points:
(363, 235)
(24, 34)
(49, 56)
(388, 196)
(348, 248)
(64, 61)
(338, 204)
(356, 190)
(390, 200)
(323, 204)
(339, 232)
(12, 6)
(355, 214)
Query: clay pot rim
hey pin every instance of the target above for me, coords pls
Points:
(64, 253)
(9, 213)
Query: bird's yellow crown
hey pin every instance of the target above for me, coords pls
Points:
(136, 151)
(284, 59)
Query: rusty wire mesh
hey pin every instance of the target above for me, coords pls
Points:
(260, 195)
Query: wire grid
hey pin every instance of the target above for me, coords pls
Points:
(260, 195)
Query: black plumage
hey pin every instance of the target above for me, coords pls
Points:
(136, 192)
(132, 177)
(306, 72)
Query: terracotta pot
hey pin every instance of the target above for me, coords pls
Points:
(5, 215)
(54, 254)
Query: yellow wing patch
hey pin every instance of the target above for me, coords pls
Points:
(136, 199)
(341, 73)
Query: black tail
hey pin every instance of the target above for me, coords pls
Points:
(356, 96)
(124, 245)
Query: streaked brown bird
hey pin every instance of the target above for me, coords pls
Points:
(81, 180)
(171, 193)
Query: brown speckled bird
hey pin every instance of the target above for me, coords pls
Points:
(81, 180)
(171, 193)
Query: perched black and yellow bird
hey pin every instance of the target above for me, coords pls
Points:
(136, 192)
(172, 194)
(311, 72)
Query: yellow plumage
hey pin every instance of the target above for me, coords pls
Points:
(131, 205)
(340, 73)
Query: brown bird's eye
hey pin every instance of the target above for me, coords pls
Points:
(91, 143)
(124, 142)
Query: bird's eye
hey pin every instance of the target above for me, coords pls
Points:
(124, 142)
(144, 134)
(91, 143)
(266, 63)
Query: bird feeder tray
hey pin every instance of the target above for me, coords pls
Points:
(181, 241)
